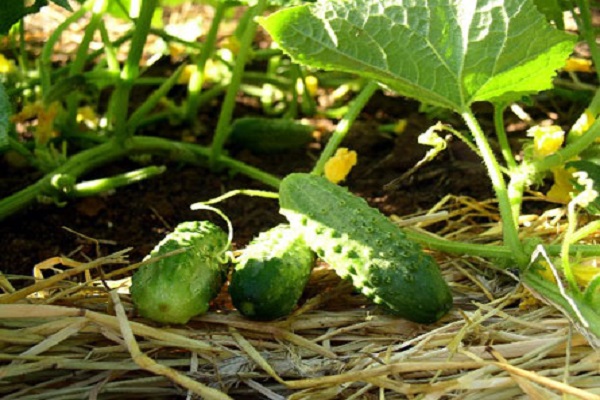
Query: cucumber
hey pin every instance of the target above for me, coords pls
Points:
(180, 286)
(271, 274)
(363, 245)
(268, 135)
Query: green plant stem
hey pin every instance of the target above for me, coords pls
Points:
(148, 105)
(509, 222)
(568, 239)
(78, 64)
(507, 152)
(96, 186)
(119, 101)
(20, 149)
(22, 52)
(112, 150)
(437, 243)
(222, 129)
(45, 67)
(588, 32)
(344, 125)
(197, 77)
(110, 53)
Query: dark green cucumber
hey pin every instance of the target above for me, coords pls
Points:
(268, 135)
(270, 275)
(363, 245)
(181, 285)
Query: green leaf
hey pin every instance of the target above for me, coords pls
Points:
(12, 11)
(553, 10)
(442, 52)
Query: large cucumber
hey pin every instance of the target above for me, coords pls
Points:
(270, 275)
(181, 285)
(363, 245)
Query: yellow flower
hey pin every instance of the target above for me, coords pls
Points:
(400, 126)
(46, 115)
(586, 271)
(576, 64)
(312, 84)
(86, 115)
(232, 44)
(560, 192)
(45, 126)
(546, 139)
(6, 66)
(187, 73)
(339, 166)
(582, 125)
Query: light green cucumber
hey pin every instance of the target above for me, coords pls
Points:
(181, 285)
(363, 245)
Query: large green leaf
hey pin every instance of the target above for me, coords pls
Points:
(443, 52)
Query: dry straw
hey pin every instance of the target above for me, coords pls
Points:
(75, 335)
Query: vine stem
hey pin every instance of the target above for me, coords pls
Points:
(197, 77)
(111, 150)
(119, 101)
(224, 122)
(509, 223)
(344, 125)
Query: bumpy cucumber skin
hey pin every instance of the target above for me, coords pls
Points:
(268, 135)
(178, 287)
(271, 274)
(363, 245)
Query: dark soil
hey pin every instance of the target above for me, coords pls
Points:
(139, 215)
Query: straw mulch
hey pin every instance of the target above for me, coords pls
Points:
(75, 335)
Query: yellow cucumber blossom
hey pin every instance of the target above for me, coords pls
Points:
(576, 64)
(586, 271)
(546, 139)
(45, 114)
(6, 66)
(312, 84)
(561, 190)
(339, 166)
(87, 115)
(582, 125)
(400, 126)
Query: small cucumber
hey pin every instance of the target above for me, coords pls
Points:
(180, 286)
(363, 245)
(271, 274)
(268, 135)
